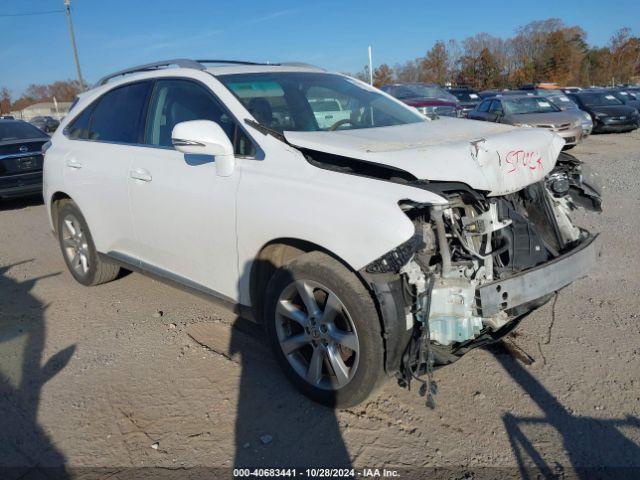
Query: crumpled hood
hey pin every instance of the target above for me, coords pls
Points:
(496, 158)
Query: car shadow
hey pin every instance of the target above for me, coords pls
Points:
(595, 447)
(21, 202)
(26, 451)
(276, 426)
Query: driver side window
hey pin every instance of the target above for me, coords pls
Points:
(496, 107)
(484, 106)
(176, 101)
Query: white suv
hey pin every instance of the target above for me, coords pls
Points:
(371, 243)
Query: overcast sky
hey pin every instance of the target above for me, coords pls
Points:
(115, 34)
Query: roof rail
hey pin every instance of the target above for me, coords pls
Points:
(281, 64)
(195, 64)
(300, 64)
(180, 62)
(232, 62)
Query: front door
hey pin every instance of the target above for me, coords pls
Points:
(184, 214)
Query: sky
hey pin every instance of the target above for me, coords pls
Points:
(116, 34)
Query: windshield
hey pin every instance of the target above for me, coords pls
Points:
(19, 131)
(624, 96)
(596, 99)
(302, 102)
(466, 95)
(518, 106)
(563, 102)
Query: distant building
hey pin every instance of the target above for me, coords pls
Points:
(45, 109)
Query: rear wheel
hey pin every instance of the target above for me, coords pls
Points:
(78, 249)
(324, 330)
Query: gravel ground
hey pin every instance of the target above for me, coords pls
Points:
(108, 376)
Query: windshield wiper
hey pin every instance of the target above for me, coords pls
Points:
(266, 130)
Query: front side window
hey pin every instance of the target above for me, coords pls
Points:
(484, 106)
(300, 101)
(496, 107)
(176, 101)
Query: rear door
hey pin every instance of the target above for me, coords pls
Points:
(184, 213)
(97, 162)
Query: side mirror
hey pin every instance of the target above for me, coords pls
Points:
(204, 137)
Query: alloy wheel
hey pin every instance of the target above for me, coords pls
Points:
(74, 244)
(316, 334)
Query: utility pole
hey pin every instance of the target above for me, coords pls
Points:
(67, 8)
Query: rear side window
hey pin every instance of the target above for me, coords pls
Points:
(117, 116)
(79, 128)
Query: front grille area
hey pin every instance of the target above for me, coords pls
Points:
(445, 111)
(556, 128)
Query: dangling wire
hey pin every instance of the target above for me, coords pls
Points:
(419, 351)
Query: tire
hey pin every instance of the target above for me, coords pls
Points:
(335, 357)
(79, 251)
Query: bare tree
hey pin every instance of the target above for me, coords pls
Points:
(5, 100)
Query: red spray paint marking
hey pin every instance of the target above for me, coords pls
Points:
(519, 159)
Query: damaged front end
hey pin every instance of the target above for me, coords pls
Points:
(478, 265)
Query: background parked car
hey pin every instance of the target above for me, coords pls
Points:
(20, 158)
(607, 112)
(626, 97)
(468, 98)
(46, 124)
(531, 111)
(564, 103)
(429, 99)
(503, 93)
(328, 111)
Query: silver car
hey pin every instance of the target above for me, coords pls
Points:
(531, 111)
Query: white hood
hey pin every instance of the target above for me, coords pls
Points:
(486, 156)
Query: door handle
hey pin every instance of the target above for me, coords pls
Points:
(140, 174)
(74, 164)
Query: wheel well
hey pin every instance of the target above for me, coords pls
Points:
(57, 200)
(272, 256)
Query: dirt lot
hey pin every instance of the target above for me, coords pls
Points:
(108, 376)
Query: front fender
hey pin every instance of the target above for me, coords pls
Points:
(355, 218)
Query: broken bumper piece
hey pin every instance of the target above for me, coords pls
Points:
(539, 281)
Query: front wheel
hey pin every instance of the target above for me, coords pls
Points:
(325, 331)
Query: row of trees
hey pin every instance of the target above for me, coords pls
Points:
(62, 91)
(541, 51)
